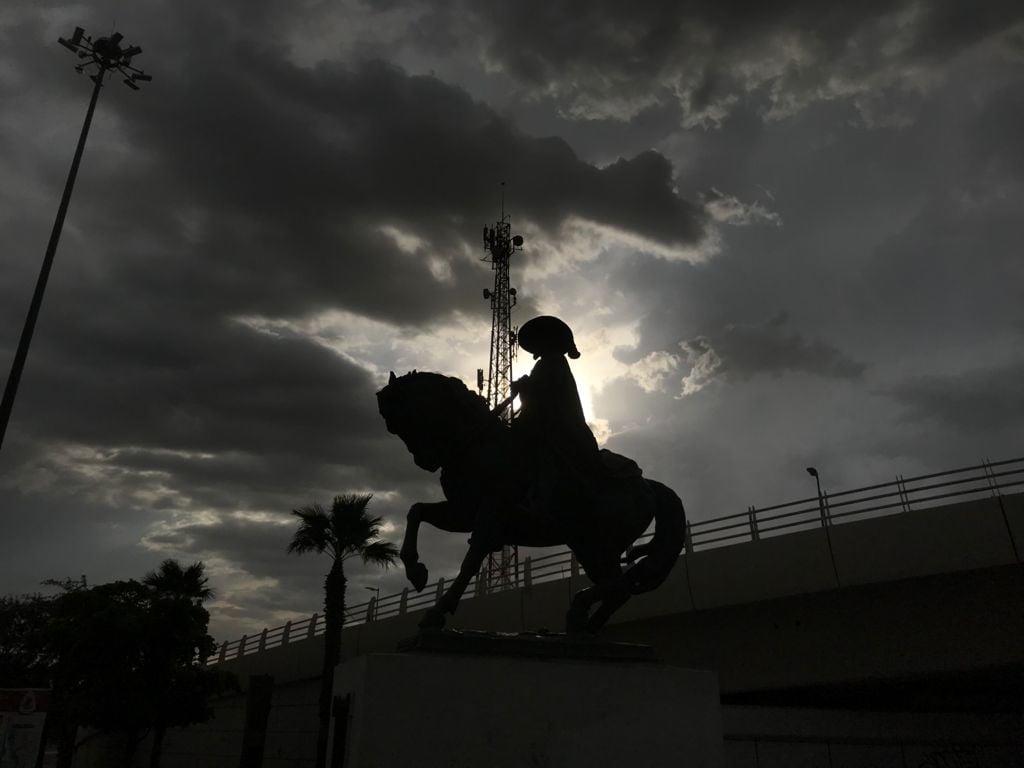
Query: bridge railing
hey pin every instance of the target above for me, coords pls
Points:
(901, 494)
(896, 496)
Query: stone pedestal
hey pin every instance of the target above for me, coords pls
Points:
(522, 701)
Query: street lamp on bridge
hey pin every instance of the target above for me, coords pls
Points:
(821, 501)
(102, 56)
(376, 600)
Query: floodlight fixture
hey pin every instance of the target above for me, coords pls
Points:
(812, 472)
(106, 55)
(73, 43)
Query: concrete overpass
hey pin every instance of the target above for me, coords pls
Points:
(820, 603)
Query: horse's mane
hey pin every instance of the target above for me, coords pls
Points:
(437, 390)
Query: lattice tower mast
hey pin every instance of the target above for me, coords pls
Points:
(499, 245)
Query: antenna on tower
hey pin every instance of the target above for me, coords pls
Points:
(499, 245)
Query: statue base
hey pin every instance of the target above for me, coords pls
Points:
(531, 645)
(469, 699)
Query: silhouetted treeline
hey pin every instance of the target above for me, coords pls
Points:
(124, 658)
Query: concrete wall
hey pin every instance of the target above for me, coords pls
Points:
(215, 743)
(966, 622)
(445, 710)
(958, 538)
(291, 726)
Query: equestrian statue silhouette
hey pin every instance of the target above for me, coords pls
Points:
(540, 482)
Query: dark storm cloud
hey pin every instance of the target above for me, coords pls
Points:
(313, 162)
(215, 387)
(982, 400)
(741, 351)
(890, 238)
(609, 59)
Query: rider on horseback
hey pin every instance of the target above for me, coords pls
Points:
(551, 427)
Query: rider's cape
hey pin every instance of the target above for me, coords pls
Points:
(552, 426)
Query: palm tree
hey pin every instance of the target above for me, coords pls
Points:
(186, 588)
(346, 531)
(171, 580)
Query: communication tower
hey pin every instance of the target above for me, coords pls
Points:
(499, 245)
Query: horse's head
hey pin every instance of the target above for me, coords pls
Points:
(432, 414)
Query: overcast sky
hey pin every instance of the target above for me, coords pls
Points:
(785, 233)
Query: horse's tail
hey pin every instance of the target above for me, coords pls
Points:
(662, 551)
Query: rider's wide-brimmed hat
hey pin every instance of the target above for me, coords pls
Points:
(546, 335)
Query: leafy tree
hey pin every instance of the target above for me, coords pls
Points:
(126, 657)
(344, 532)
(23, 663)
(96, 639)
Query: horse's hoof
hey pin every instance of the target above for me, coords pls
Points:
(433, 619)
(417, 574)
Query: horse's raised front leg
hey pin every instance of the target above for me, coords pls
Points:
(486, 536)
(415, 571)
(439, 514)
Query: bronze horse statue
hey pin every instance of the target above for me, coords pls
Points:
(485, 477)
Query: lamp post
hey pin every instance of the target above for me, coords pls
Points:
(106, 55)
(813, 472)
(376, 599)
(821, 502)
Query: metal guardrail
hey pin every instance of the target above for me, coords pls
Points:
(904, 494)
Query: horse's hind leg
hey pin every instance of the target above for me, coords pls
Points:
(609, 593)
(441, 515)
(579, 610)
(614, 598)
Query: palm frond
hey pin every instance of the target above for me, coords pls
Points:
(196, 581)
(382, 553)
(350, 523)
(173, 580)
(314, 533)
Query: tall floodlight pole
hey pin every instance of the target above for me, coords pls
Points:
(499, 245)
(103, 56)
